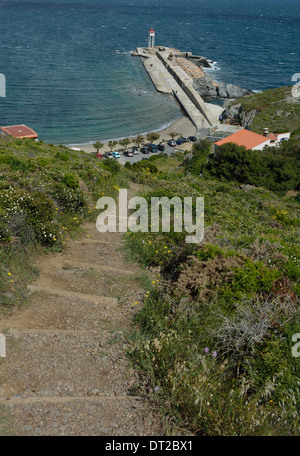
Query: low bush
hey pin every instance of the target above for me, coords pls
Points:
(273, 171)
(112, 165)
(213, 340)
(46, 192)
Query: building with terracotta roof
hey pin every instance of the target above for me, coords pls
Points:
(253, 141)
(19, 131)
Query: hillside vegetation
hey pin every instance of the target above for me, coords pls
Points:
(213, 341)
(46, 192)
(275, 109)
(274, 168)
(214, 337)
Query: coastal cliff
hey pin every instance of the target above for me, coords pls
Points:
(236, 111)
(276, 109)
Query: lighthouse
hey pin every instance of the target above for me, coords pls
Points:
(151, 38)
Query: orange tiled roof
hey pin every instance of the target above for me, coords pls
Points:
(244, 137)
(20, 131)
(273, 137)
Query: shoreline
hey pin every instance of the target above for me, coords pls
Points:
(165, 126)
(183, 126)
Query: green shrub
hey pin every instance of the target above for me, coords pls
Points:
(145, 165)
(63, 156)
(213, 340)
(17, 164)
(263, 169)
(200, 152)
(71, 199)
(70, 180)
(112, 165)
(253, 277)
(210, 251)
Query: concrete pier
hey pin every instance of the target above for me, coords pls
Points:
(170, 78)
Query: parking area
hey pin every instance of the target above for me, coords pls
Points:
(138, 155)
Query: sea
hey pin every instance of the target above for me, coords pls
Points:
(70, 74)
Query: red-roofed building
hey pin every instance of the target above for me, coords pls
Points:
(253, 141)
(19, 131)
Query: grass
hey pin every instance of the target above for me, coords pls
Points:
(46, 193)
(168, 164)
(213, 339)
(16, 272)
(276, 110)
(6, 426)
(214, 333)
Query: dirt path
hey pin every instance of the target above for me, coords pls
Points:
(66, 372)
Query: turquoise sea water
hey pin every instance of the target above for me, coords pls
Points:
(71, 77)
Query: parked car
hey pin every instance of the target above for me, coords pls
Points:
(116, 155)
(108, 155)
(180, 141)
(184, 139)
(161, 147)
(172, 143)
(100, 156)
(129, 153)
(135, 151)
(193, 138)
(144, 150)
(152, 147)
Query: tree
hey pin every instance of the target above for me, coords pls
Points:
(151, 136)
(112, 144)
(173, 134)
(200, 152)
(139, 140)
(98, 145)
(124, 142)
(260, 168)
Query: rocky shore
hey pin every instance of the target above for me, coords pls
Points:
(207, 87)
(205, 84)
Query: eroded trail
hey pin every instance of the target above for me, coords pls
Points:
(66, 371)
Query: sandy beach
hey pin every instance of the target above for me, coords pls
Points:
(182, 126)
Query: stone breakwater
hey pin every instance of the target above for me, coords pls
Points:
(193, 70)
(193, 66)
(175, 76)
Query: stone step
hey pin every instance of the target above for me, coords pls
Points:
(101, 300)
(81, 416)
(47, 311)
(101, 241)
(104, 255)
(89, 279)
(64, 363)
(20, 400)
(97, 267)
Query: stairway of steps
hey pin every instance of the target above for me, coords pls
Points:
(66, 370)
